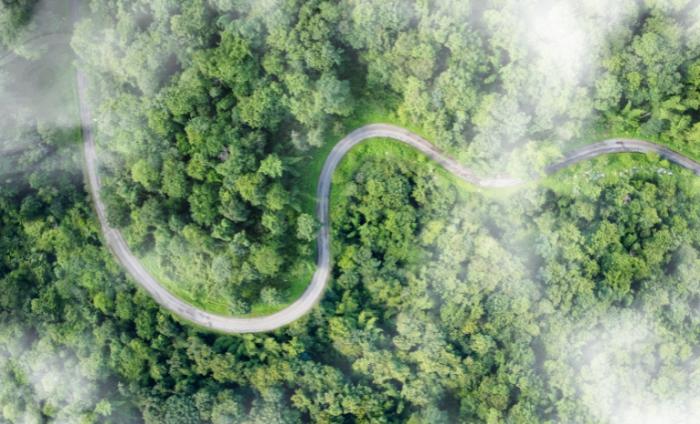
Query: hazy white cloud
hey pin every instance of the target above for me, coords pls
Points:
(557, 37)
(630, 372)
(567, 38)
(46, 380)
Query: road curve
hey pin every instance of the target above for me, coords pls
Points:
(314, 291)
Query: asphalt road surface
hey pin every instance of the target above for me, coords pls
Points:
(314, 291)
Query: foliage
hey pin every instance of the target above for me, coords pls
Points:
(574, 301)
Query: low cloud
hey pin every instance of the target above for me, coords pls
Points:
(628, 370)
(42, 383)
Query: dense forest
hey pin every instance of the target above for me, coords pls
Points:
(214, 110)
(571, 301)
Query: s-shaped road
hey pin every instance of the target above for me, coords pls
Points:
(314, 291)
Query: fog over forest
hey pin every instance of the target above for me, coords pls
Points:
(573, 299)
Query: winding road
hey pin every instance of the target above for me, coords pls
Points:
(314, 291)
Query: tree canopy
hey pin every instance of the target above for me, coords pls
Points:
(571, 301)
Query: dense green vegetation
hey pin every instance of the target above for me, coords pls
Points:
(573, 301)
(210, 111)
(482, 307)
(440, 310)
(207, 117)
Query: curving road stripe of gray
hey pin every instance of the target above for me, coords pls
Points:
(314, 291)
